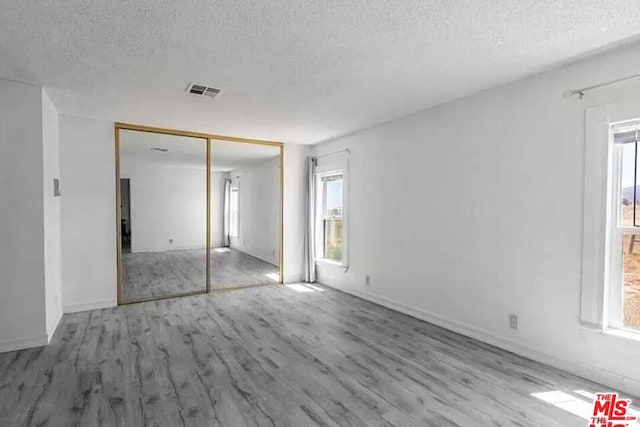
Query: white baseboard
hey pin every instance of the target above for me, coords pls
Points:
(22, 344)
(92, 305)
(168, 249)
(619, 383)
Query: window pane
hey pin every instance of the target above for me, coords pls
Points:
(628, 186)
(332, 196)
(332, 210)
(631, 280)
(333, 239)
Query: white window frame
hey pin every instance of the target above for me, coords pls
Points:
(602, 288)
(327, 167)
(320, 199)
(615, 298)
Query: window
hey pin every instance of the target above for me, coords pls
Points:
(233, 212)
(610, 276)
(624, 292)
(331, 216)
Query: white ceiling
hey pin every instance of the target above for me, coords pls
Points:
(138, 147)
(293, 71)
(228, 156)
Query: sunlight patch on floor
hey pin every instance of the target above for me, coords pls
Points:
(567, 402)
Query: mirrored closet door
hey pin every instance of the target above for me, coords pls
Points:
(163, 215)
(246, 217)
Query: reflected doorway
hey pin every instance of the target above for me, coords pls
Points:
(125, 221)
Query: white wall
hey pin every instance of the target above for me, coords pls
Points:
(153, 224)
(167, 202)
(465, 213)
(88, 213)
(259, 209)
(217, 209)
(22, 271)
(52, 237)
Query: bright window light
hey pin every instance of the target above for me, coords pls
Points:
(315, 288)
(221, 250)
(332, 211)
(273, 276)
(234, 210)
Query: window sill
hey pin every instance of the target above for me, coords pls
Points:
(620, 333)
(623, 333)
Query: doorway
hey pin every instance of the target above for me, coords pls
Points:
(125, 221)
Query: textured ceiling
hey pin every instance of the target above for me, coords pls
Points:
(294, 71)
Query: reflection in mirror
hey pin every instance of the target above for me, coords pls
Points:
(246, 216)
(163, 215)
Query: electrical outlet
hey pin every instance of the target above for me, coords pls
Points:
(367, 280)
(513, 321)
(56, 187)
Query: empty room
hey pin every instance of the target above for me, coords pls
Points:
(410, 213)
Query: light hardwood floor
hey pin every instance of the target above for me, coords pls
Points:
(272, 356)
(158, 274)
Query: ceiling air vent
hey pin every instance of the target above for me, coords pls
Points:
(201, 90)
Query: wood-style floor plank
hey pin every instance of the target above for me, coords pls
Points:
(272, 356)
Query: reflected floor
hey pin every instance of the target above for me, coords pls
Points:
(158, 274)
(233, 269)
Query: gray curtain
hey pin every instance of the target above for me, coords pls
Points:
(310, 235)
(226, 213)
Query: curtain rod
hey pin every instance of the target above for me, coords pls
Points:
(346, 150)
(580, 92)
